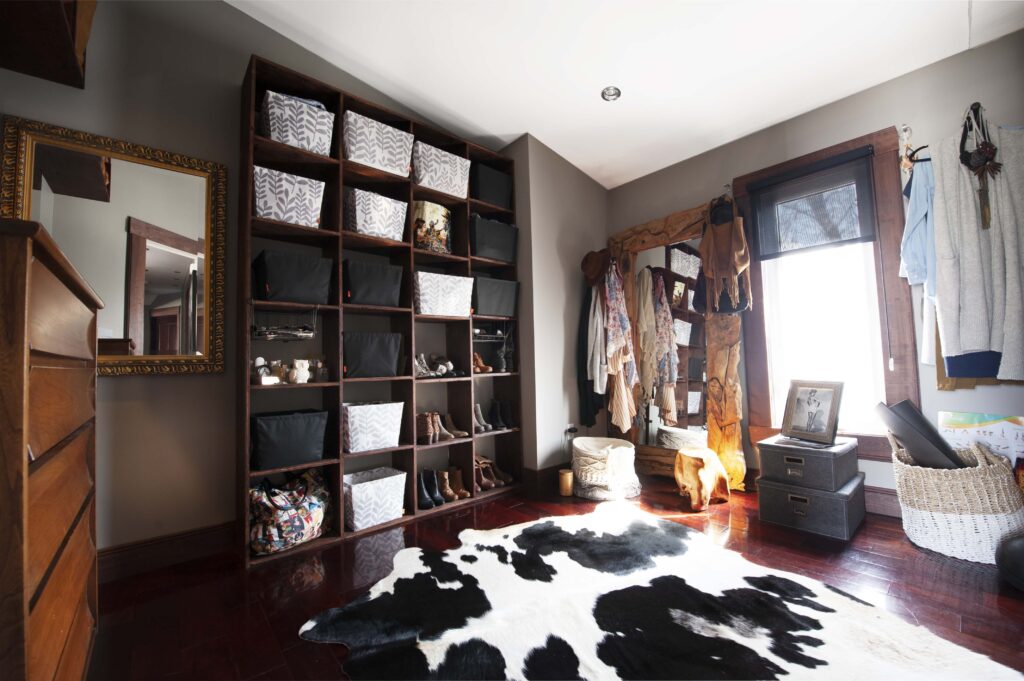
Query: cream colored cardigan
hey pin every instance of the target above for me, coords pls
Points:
(979, 275)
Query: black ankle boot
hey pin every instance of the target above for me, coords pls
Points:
(425, 502)
(506, 414)
(495, 415)
(430, 482)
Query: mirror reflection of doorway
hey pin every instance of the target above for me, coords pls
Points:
(164, 311)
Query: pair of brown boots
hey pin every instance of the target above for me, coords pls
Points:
(431, 429)
(449, 484)
(488, 476)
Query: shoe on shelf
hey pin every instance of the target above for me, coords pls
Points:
(423, 369)
(455, 479)
(480, 417)
(425, 503)
(444, 487)
(495, 416)
(442, 434)
(488, 473)
(452, 428)
(479, 366)
(497, 472)
(425, 432)
(478, 427)
(506, 414)
(480, 480)
(430, 482)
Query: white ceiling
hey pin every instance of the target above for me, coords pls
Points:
(694, 75)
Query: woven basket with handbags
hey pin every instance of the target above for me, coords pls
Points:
(964, 512)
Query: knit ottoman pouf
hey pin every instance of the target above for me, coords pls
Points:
(603, 469)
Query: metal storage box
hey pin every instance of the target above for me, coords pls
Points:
(824, 468)
(832, 514)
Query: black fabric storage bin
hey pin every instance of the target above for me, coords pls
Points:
(493, 239)
(372, 284)
(287, 438)
(494, 297)
(369, 355)
(824, 468)
(291, 277)
(490, 185)
(832, 514)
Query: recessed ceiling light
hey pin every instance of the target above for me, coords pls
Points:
(611, 93)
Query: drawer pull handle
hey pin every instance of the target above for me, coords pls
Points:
(798, 499)
(795, 472)
(795, 460)
(797, 508)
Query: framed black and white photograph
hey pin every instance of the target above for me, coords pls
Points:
(812, 411)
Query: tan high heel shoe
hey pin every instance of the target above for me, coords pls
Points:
(479, 366)
(442, 434)
(444, 487)
(455, 479)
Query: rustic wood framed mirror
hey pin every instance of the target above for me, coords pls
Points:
(145, 227)
(652, 244)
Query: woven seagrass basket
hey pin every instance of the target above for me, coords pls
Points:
(964, 512)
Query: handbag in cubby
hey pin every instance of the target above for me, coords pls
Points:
(281, 518)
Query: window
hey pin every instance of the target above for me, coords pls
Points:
(825, 232)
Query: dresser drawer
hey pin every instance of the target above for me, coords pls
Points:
(60, 400)
(58, 321)
(56, 492)
(49, 622)
(76, 650)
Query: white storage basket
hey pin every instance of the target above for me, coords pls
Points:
(374, 215)
(287, 198)
(603, 469)
(375, 144)
(298, 122)
(443, 294)
(372, 425)
(437, 169)
(961, 512)
(373, 497)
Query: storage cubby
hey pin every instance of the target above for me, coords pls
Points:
(440, 334)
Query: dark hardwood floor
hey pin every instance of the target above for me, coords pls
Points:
(209, 619)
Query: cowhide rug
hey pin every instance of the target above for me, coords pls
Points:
(620, 593)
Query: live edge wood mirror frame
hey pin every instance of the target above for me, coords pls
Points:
(163, 287)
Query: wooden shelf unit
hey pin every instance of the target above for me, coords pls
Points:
(334, 242)
(685, 382)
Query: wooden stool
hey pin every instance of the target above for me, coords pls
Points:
(702, 477)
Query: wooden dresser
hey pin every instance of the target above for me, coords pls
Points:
(47, 458)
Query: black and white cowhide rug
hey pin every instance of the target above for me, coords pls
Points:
(620, 593)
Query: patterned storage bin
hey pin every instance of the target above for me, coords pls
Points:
(431, 227)
(375, 556)
(375, 215)
(287, 198)
(443, 294)
(373, 497)
(437, 169)
(372, 425)
(376, 145)
(297, 122)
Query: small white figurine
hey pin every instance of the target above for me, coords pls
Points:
(299, 372)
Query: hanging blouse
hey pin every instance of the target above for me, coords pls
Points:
(619, 348)
(646, 333)
(665, 352)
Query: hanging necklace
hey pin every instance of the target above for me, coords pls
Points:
(982, 159)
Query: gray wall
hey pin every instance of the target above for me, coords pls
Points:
(561, 214)
(168, 75)
(930, 100)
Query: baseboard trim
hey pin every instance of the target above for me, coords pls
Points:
(134, 558)
(882, 501)
(543, 483)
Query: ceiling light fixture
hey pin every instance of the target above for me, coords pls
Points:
(611, 93)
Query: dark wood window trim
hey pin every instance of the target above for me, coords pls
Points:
(895, 309)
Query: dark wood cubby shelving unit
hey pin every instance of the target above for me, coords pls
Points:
(333, 241)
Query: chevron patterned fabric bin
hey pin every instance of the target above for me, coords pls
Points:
(371, 425)
(297, 122)
(443, 294)
(287, 198)
(374, 215)
(376, 145)
(437, 169)
(373, 497)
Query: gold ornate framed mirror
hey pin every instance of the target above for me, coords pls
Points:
(145, 227)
